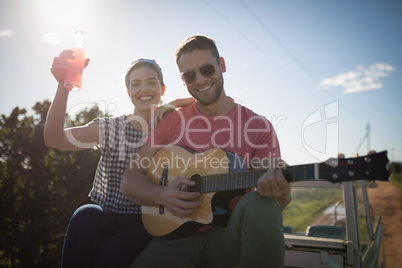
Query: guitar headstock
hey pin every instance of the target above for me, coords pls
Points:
(369, 167)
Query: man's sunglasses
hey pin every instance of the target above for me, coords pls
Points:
(189, 77)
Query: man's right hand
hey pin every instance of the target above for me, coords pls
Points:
(177, 200)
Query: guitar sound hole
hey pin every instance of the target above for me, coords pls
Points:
(198, 184)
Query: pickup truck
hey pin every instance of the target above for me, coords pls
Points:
(331, 225)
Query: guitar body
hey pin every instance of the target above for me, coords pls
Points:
(182, 163)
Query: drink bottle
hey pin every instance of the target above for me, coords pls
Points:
(73, 80)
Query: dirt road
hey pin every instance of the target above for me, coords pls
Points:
(386, 201)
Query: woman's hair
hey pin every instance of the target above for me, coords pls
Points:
(141, 62)
(195, 42)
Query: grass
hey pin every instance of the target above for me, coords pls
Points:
(307, 205)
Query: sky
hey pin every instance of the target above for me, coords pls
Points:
(327, 74)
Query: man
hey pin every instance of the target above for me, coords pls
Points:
(253, 235)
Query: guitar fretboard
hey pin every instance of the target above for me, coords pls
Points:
(336, 170)
(248, 179)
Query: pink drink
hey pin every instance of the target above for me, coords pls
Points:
(73, 80)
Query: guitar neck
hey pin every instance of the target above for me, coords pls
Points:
(248, 179)
(369, 167)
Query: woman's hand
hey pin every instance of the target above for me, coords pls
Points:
(168, 108)
(160, 112)
(60, 65)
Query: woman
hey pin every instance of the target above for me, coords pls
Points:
(109, 234)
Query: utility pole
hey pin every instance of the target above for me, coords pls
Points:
(393, 156)
(366, 137)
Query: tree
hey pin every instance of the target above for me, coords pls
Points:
(39, 188)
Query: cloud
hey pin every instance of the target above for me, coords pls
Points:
(360, 80)
(51, 38)
(6, 33)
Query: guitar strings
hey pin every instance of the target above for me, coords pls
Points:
(334, 174)
(223, 180)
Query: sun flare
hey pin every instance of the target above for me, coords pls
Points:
(64, 13)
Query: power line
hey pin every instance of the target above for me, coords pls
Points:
(281, 44)
(254, 45)
(269, 32)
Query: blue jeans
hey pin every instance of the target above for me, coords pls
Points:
(100, 238)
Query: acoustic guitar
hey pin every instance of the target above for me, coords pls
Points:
(211, 170)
